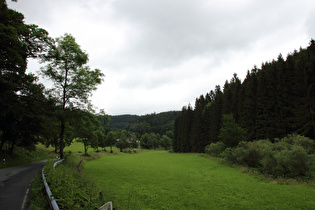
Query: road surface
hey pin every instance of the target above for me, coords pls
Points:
(15, 185)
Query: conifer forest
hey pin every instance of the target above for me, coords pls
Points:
(273, 101)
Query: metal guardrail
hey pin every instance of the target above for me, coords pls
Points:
(52, 201)
(56, 163)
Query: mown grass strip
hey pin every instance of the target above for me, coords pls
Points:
(162, 180)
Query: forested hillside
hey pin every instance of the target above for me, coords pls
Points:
(273, 101)
(150, 123)
(121, 121)
(154, 123)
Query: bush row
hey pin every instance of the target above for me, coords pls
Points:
(289, 157)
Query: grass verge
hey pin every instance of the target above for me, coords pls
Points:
(38, 200)
(71, 187)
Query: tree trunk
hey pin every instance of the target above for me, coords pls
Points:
(2, 142)
(56, 145)
(85, 147)
(62, 131)
(12, 146)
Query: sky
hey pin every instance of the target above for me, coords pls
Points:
(160, 55)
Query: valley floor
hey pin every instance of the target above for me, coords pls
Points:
(163, 180)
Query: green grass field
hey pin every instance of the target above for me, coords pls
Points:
(162, 180)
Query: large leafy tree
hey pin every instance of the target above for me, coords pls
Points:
(20, 95)
(110, 140)
(73, 80)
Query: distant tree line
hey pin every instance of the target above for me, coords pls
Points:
(276, 100)
(151, 131)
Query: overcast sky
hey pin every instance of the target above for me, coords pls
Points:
(159, 55)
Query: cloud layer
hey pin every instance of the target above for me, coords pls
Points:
(160, 55)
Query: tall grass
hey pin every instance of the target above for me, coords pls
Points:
(162, 180)
(21, 156)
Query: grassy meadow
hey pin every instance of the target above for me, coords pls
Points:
(163, 180)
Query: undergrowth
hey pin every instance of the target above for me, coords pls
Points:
(38, 200)
(21, 156)
(71, 187)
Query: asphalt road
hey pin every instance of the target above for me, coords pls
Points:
(15, 183)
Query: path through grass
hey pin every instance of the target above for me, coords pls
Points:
(162, 180)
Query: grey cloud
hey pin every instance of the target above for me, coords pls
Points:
(148, 46)
(172, 31)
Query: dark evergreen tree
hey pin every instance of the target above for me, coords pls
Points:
(197, 131)
(248, 112)
(182, 136)
(304, 89)
(215, 115)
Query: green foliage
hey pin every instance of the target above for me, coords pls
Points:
(110, 140)
(166, 142)
(155, 141)
(72, 188)
(87, 130)
(149, 141)
(38, 198)
(22, 100)
(231, 133)
(21, 156)
(284, 158)
(298, 140)
(215, 148)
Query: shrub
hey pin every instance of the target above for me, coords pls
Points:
(228, 155)
(287, 157)
(240, 155)
(215, 148)
(299, 163)
(251, 153)
(298, 140)
(269, 162)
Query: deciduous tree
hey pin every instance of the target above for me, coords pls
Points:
(73, 80)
